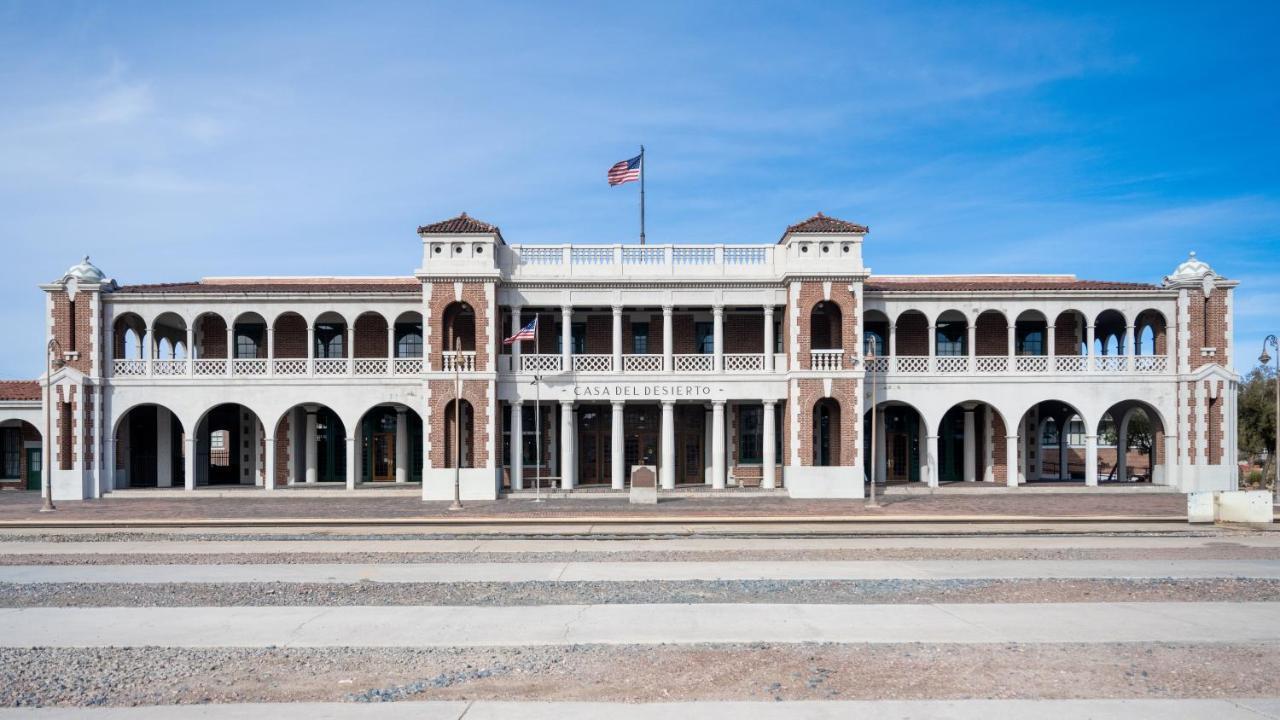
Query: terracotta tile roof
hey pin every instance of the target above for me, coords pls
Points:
(19, 390)
(265, 285)
(979, 283)
(461, 224)
(822, 224)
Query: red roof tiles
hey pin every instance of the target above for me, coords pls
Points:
(19, 390)
(828, 225)
(257, 286)
(460, 224)
(982, 283)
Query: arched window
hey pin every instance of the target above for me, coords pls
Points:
(825, 331)
(451, 434)
(826, 433)
(459, 322)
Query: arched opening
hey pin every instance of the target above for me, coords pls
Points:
(408, 335)
(1109, 333)
(911, 334)
(875, 333)
(826, 433)
(230, 447)
(951, 334)
(899, 439)
(991, 334)
(1069, 341)
(971, 444)
(390, 445)
(1031, 334)
(21, 455)
(126, 336)
(330, 336)
(210, 337)
(290, 344)
(370, 339)
(169, 331)
(1131, 444)
(311, 446)
(825, 327)
(1057, 450)
(1151, 342)
(455, 434)
(150, 448)
(459, 326)
(250, 337)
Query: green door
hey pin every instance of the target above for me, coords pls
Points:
(35, 461)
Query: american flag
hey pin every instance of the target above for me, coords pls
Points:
(526, 333)
(625, 171)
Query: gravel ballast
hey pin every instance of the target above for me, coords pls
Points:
(151, 676)
(636, 592)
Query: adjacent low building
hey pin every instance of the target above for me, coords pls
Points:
(724, 366)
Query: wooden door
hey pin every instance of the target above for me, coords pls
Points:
(690, 457)
(35, 465)
(383, 459)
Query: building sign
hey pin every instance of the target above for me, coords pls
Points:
(642, 391)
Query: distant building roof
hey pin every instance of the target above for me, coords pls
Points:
(265, 285)
(461, 224)
(823, 224)
(977, 283)
(19, 390)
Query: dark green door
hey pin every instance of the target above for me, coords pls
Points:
(35, 461)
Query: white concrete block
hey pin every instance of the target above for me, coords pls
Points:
(1246, 506)
(474, 484)
(810, 483)
(1201, 507)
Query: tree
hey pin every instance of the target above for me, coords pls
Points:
(1257, 413)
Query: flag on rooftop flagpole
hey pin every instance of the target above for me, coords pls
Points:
(526, 333)
(625, 171)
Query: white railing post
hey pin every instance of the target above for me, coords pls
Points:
(1013, 347)
(933, 348)
(391, 347)
(1089, 361)
(148, 352)
(1130, 348)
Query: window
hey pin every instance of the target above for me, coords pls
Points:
(777, 337)
(640, 338)
(952, 337)
(248, 339)
(578, 333)
(529, 431)
(1075, 433)
(873, 341)
(409, 342)
(750, 434)
(10, 453)
(1030, 342)
(705, 337)
(329, 341)
(1049, 438)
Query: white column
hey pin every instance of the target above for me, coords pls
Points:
(931, 461)
(717, 444)
(191, 348)
(1051, 350)
(566, 338)
(768, 338)
(231, 347)
(1011, 466)
(269, 447)
(970, 446)
(667, 343)
(164, 448)
(402, 445)
(108, 463)
(973, 345)
(189, 462)
(1130, 347)
(516, 461)
(893, 340)
(769, 471)
(1170, 459)
(311, 349)
(933, 343)
(717, 339)
(1122, 442)
(271, 351)
(568, 436)
(1088, 334)
(353, 462)
(310, 448)
(617, 338)
(667, 461)
(391, 347)
(1091, 460)
(148, 350)
(618, 457)
(1012, 343)
(350, 347)
(516, 323)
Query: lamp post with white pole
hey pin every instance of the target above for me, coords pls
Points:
(870, 361)
(457, 425)
(1264, 359)
(53, 358)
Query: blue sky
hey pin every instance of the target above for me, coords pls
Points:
(176, 140)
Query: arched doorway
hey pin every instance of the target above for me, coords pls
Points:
(900, 433)
(1131, 444)
(971, 444)
(1056, 451)
(311, 446)
(150, 448)
(455, 434)
(229, 447)
(21, 455)
(390, 445)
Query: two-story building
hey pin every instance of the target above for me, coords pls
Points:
(723, 366)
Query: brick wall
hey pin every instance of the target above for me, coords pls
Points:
(474, 294)
(811, 293)
(1066, 339)
(370, 336)
(844, 443)
(475, 392)
(282, 451)
(291, 336)
(744, 333)
(599, 340)
(211, 336)
(1208, 335)
(991, 334)
(912, 334)
(72, 328)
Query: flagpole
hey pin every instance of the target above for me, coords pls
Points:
(641, 194)
(537, 419)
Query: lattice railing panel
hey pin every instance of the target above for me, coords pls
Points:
(744, 255)
(643, 256)
(953, 363)
(1071, 363)
(129, 368)
(743, 362)
(290, 366)
(1032, 363)
(1111, 363)
(540, 363)
(209, 367)
(642, 363)
(541, 255)
(913, 363)
(408, 366)
(694, 363)
(370, 366)
(988, 364)
(168, 368)
(826, 359)
(459, 361)
(592, 363)
(249, 366)
(1151, 363)
(331, 366)
(878, 365)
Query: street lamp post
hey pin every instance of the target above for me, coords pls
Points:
(457, 426)
(53, 358)
(1264, 359)
(870, 358)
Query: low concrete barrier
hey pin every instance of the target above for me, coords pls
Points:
(1234, 506)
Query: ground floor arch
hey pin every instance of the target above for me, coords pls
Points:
(971, 443)
(901, 437)
(1056, 443)
(151, 448)
(21, 455)
(230, 447)
(1132, 444)
(312, 446)
(390, 445)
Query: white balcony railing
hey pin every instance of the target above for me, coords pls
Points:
(168, 368)
(1071, 363)
(1151, 363)
(370, 366)
(249, 366)
(458, 361)
(989, 364)
(290, 366)
(953, 363)
(878, 365)
(642, 363)
(743, 362)
(832, 359)
(540, 363)
(1111, 363)
(693, 363)
(912, 363)
(330, 366)
(592, 363)
(208, 367)
(129, 368)
(1032, 363)
(408, 366)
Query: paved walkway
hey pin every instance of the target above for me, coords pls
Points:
(423, 626)
(1187, 709)
(645, 571)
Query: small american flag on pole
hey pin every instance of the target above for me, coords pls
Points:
(625, 171)
(528, 332)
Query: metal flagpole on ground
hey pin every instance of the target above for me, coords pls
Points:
(870, 358)
(641, 194)
(537, 419)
